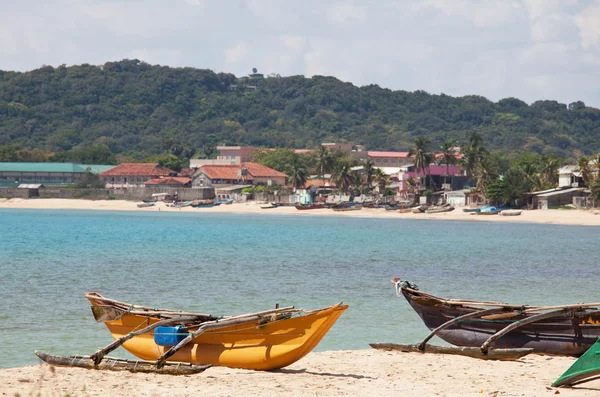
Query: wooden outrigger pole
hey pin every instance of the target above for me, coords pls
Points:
(475, 352)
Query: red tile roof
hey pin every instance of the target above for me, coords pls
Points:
(138, 169)
(259, 170)
(232, 172)
(318, 183)
(185, 172)
(402, 155)
(169, 181)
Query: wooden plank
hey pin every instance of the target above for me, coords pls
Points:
(115, 364)
(474, 352)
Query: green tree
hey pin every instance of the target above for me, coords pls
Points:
(342, 176)
(89, 154)
(382, 180)
(278, 159)
(370, 172)
(448, 154)
(422, 157)
(324, 161)
(587, 173)
(472, 153)
(485, 171)
(297, 173)
(170, 161)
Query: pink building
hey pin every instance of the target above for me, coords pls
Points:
(235, 154)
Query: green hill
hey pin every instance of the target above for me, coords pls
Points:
(130, 106)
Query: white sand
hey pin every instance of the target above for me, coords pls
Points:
(369, 373)
(563, 217)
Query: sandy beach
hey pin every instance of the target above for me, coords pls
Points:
(562, 217)
(335, 373)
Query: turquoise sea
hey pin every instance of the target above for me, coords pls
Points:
(234, 264)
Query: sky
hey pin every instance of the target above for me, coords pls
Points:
(528, 49)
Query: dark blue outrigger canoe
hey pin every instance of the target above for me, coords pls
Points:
(561, 330)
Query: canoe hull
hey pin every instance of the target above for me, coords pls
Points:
(560, 335)
(251, 346)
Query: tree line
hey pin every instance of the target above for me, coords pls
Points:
(130, 109)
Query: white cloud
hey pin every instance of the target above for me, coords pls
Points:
(236, 53)
(342, 12)
(539, 8)
(529, 49)
(164, 56)
(293, 42)
(480, 13)
(588, 22)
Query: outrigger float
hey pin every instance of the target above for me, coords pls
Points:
(265, 340)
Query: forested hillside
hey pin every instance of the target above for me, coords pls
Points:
(135, 109)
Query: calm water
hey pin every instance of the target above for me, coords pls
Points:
(233, 264)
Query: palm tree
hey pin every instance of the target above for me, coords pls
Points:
(382, 180)
(324, 161)
(297, 173)
(422, 158)
(549, 168)
(473, 153)
(370, 172)
(586, 171)
(531, 175)
(343, 177)
(448, 154)
(486, 172)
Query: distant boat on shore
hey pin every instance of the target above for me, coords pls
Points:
(348, 208)
(420, 209)
(146, 204)
(442, 208)
(309, 207)
(510, 212)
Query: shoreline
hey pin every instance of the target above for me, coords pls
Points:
(330, 373)
(572, 217)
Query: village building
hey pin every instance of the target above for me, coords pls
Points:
(130, 175)
(235, 154)
(242, 174)
(389, 159)
(48, 174)
(170, 181)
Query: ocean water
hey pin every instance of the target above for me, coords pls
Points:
(234, 264)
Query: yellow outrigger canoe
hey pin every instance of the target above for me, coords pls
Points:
(261, 341)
